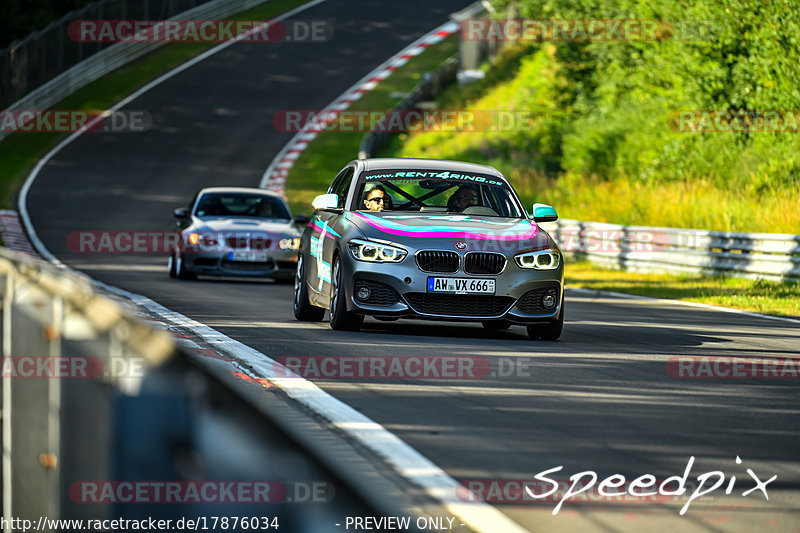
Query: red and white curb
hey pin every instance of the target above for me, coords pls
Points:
(274, 177)
(14, 237)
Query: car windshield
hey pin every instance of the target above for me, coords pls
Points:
(432, 191)
(222, 204)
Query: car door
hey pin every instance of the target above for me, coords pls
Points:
(324, 238)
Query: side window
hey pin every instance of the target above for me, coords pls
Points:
(194, 201)
(341, 185)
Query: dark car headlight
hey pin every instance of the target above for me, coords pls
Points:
(374, 252)
(541, 260)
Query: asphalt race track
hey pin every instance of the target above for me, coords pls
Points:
(600, 399)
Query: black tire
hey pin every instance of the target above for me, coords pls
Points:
(341, 318)
(173, 272)
(496, 324)
(550, 331)
(303, 309)
(181, 270)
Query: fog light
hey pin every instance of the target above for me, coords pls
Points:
(548, 301)
(363, 293)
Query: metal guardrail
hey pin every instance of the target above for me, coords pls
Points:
(92, 396)
(53, 322)
(770, 256)
(47, 73)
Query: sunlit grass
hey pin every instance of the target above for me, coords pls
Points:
(687, 204)
(529, 155)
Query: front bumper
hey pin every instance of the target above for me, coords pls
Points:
(400, 291)
(279, 264)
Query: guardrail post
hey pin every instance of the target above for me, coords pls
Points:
(30, 441)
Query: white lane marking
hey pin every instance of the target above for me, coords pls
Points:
(406, 461)
(23, 194)
(681, 302)
(274, 177)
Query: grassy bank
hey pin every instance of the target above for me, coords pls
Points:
(19, 152)
(600, 139)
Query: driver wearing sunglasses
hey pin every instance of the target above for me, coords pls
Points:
(377, 199)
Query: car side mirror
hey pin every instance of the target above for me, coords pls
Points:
(302, 220)
(181, 213)
(325, 201)
(544, 213)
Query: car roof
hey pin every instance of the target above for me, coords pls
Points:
(379, 163)
(251, 190)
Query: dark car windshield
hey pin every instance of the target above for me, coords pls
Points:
(222, 204)
(432, 191)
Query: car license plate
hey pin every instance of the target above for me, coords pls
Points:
(461, 285)
(252, 257)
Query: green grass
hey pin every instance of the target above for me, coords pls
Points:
(529, 157)
(19, 152)
(316, 167)
(750, 295)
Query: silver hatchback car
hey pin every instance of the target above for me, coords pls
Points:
(429, 239)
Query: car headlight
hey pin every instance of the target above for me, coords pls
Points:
(375, 252)
(207, 239)
(542, 260)
(289, 244)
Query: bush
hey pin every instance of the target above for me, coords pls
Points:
(605, 112)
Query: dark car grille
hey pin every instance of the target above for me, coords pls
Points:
(437, 261)
(244, 242)
(287, 265)
(247, 266)
(531, 301)
(458, 304)
(380, 293)
(484, 263)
